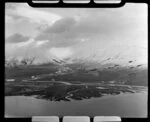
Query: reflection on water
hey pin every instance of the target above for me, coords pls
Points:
(124, 105)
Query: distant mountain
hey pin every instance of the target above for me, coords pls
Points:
(123, 64)
(117, 54)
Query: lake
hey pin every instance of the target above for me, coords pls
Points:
(124, 105)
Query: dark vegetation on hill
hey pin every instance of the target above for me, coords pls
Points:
(55, 91)
(25, 69)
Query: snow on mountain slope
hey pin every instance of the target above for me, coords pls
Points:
(123, 55)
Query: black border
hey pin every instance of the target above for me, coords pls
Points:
(91, 4)
(86, 5)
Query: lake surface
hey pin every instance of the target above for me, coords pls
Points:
(124, 105)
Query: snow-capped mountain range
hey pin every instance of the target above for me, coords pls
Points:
(117, 54)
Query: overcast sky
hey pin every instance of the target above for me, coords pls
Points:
(71, 32)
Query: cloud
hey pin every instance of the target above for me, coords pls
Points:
(40, 43)
(16, 38)
(83, 40)
(61, 26)
(32, 14)
(60, 33)
(30, 48)
(103, 26)
(61, 53)
(69, 31)
(9, 19)
(71, 34)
